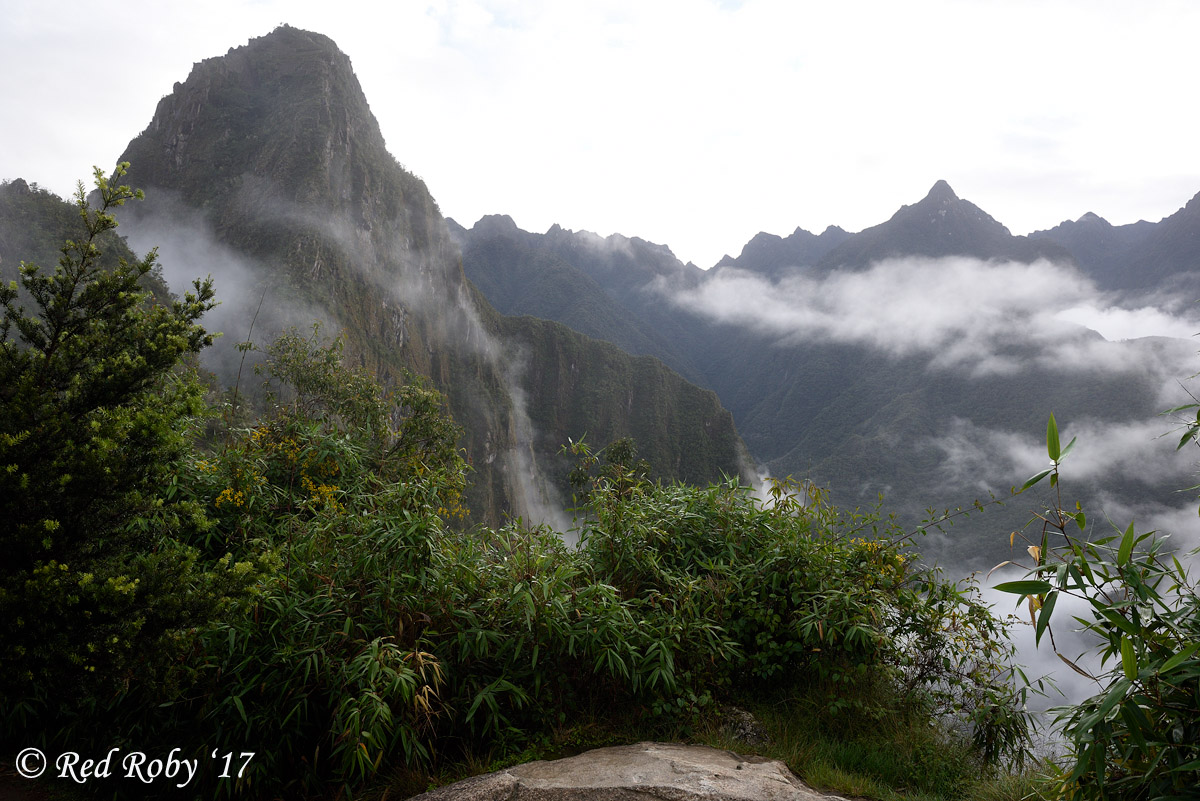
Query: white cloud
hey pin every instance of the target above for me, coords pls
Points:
(959, 313)
(1132, 450)
(1118, 323)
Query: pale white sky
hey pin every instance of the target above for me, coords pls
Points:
(691, 123)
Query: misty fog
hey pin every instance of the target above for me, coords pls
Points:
(982, 319)
(254, 303)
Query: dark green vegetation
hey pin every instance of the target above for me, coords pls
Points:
(292, 586)
(1140, 736)
(93, 431)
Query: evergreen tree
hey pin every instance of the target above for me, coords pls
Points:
(97, 583)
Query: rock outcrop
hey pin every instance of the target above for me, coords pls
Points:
(637, 773)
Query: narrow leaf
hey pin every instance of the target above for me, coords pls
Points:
(1126, 549)
(1067, 449)
(1115, 695)
(1129, 660)
(1188, 436)
(1117, 619)
(1076, 668)
(1183, 408)
(1179, 658)
(1052, 440)
(1044, 617)
(1027, 587)
(1029, 482)
(997, 567)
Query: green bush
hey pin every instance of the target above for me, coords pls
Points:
(342, 489)
(1140, 736)
(794, 590)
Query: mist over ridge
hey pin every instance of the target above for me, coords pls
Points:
(267, 163)
(919, 357)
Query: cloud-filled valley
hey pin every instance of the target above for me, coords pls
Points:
(964, 314)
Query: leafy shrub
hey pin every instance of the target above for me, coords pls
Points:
(798, 591)
(1140, 736)
(343, 489)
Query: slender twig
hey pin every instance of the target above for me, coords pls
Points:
(247, 343)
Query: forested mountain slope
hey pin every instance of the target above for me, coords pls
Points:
(267, 168)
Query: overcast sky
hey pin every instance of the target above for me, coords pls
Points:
(690, 123)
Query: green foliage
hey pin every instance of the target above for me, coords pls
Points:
(99, 590)
(1140, 736)
(791, 589)
(342, 490)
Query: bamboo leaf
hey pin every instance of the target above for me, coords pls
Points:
(1129, 660)
(1029, 482)
(1067, 449)
(1076, 668)
(1027, 587)
(1126, 549)
(1116, 619)
(1052, 447)
(1188, 436)
(1044, 617)
(1179, 658)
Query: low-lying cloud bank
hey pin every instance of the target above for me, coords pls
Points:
(1136, 450)
(981, 317)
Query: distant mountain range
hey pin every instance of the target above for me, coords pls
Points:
(1143, 256)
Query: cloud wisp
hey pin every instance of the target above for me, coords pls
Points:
(963, 314)
(1135, 449)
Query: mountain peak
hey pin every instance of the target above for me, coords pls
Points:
(941, 193)
(941, 224)
(1193, 205)
(1092, 218)
(494, 224)
(225, 122)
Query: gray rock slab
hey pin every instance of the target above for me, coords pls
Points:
(639, 772)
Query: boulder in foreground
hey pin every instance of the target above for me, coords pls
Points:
(636, 773)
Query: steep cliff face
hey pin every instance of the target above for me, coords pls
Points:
(273, 153)
(276, 148)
